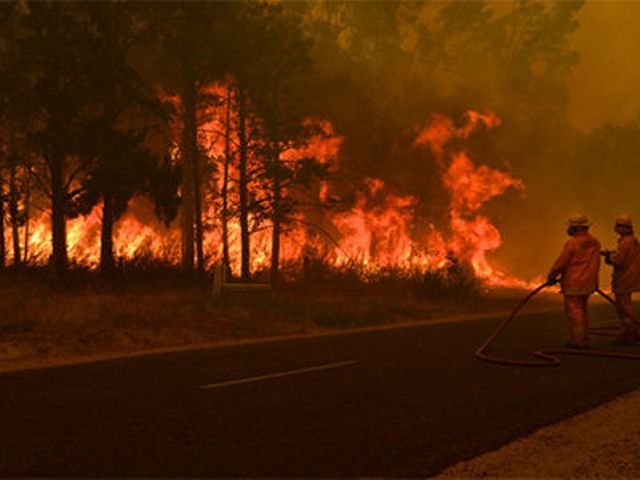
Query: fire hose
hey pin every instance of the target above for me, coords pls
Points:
(549, 357)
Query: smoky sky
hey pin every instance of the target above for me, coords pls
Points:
(605, 85)
(569, 174)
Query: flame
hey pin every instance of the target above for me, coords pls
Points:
(380, 230)
(470, 187)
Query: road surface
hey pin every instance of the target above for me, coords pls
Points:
(404, 402)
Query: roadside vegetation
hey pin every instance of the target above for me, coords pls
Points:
(140, 309)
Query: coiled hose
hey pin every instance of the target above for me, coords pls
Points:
(549, 357)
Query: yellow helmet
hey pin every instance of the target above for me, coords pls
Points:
(624, 221)
(579, 221)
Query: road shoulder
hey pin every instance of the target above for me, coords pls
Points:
(9, 364)
(600, 443)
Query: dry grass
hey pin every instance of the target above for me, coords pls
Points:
(44, 321)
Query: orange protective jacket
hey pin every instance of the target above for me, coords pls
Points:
(626, 265)
(579, 264)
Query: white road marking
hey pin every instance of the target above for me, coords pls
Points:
(299, 371)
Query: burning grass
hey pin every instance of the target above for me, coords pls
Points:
(137, 310)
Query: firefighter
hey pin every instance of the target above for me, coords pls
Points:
(626, 276)
(577, 266)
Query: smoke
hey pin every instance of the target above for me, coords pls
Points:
(591, 166)
(569, 134)
(604, 86)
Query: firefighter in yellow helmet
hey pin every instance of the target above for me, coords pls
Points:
(626, 276)
(577, 266)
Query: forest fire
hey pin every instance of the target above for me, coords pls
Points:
(377, 231)
(267, 238)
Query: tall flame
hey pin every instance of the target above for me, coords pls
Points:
(377, 231)
(470, 187)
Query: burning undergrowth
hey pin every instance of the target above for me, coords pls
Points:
(378, 233)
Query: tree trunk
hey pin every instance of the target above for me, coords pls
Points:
(13, 214)
(277, 195)
(197, 181)
(275, 245)
(245, 271)
(225, 186)
(3, 260)
(27, 214)
(59, 259)
(107, 262)
(189, 153)
(197, 198)
(277, 219)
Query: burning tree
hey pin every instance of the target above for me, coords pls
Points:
(279, 105)
(192, 41)
(115, 155)
(52, 45)
(265, 98)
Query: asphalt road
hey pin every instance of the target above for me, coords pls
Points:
(404, 402)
